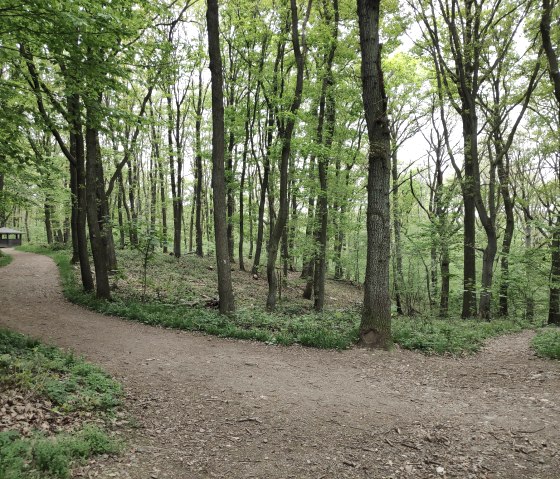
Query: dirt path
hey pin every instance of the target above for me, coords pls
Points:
(209, 407)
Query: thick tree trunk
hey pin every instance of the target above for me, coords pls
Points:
(554, 297)
(225, 289)
(98, 248)
(375, 327)
(554, 73)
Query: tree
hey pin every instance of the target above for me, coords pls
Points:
(225, 289)
(548, 7)
(375, 326)
(286, 130)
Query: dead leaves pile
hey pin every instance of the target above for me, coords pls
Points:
(25, 413)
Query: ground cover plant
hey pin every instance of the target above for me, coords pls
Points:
(547, 343)
(5, 259)
(54, 409)
(180, 295)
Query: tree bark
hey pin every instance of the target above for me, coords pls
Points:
(78, 152)
(74, 213)
(198, 169)
(225, 289)
(98, 249)
(554, 296)
(48, 220)
(375, 326)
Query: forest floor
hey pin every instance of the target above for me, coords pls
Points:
(208, 407)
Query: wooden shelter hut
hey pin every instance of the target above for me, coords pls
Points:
(10, 237)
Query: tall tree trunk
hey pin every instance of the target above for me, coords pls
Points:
(375, 326)
(488, 221)
(445, 277)
(469, 222)
(78, 152)
(529, 299)
(163, 201)
(103, 212)
(98, 249)
(122, 242)
(2, 212)
(263, 193)
(198, 191)
(74, 212)
(225, 289)
(242, 180)
(48, 220)
(308, 256)
(554, 73)
(285, 135)
(191, 225)
(230, 178)
(398, 277)
(251, 221)
(328, 104)
(133, 220)
(503, 174)
(176, 200)
(554, 297)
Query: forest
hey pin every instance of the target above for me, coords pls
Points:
(410, 149)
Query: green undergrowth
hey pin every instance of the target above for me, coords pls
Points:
(546, 343)
(72, 387)
(435, 336)
(286, 326)
(40, 457)
(63, 378)
(5, 259)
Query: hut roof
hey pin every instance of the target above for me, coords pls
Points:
(9, 231)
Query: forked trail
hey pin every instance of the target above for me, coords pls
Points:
(208, 407)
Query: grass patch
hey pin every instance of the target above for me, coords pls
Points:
(546, 343)
(66, 380)
(5, 259)
(39, 457)
(288, 325)
(436, 336)
(71, 386)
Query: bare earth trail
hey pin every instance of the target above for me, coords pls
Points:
(209, 407)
